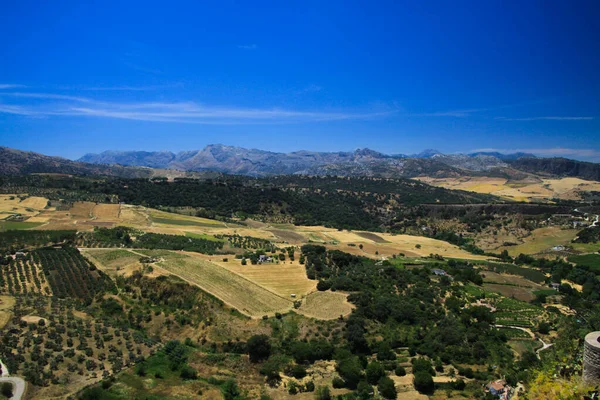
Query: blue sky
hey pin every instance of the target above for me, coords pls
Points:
(398, 77)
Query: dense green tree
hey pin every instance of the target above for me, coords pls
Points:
(259, 348)
(386, 388)
(423, 382)
(374, 372)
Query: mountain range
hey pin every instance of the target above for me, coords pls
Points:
(215, 159)
(253, 162)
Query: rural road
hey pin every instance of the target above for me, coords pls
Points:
(544, 344)
(595, 223)
(18, 383)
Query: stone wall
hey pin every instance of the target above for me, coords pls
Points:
(591, 358)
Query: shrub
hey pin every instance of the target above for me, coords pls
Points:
(230, 390)
(298, 372)
(323, 393)
(338, 383)
(188, 373)
(259, 348)
(375, 371)
(386, 388)
(292, 387)
(309, 386)
(400, 371)
(423, 382)
(7, 389)
(458, 384)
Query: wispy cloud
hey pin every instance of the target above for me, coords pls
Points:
(456, 113)
(549, 152)
(10, 86)
(551, 118)
(252, 46)
(45, 96)
(464, 113)
(180, 112)
(132, 88)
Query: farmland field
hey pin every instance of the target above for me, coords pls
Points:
(203, 236)
(284, 279)
(16, 225)
(84, 216)
(107, 211)
(233, 289)
(522, 346)
(112, 261)
(542, 239)
(510, 280)
(525, 190)
(12, 204)
(528, 273)
(592, 261)
(520, 293)
(372, 236)
(325, 305)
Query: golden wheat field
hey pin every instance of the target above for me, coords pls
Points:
(325, 305)
(284, 279)
(106, 211)
(526, 190)
(12, 204)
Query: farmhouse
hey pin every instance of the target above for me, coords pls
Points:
(264, 259)
(439, 272)
(499, 389)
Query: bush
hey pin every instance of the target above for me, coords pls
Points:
(364, 390)
(400, 371)
(7, 389)
(188, 373)
(259, 348)
(423, 382)
(338, 383)
(298, 372)
(323, 393)
(292, 387)
(230, 390)
(422, 364)
(544, 328)
(309, 386)
(458, 384)
(375, 372)
(386, 388)
(141, 370)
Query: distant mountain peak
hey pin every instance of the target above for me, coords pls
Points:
(427, 153)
